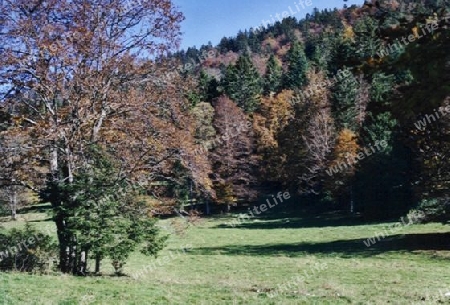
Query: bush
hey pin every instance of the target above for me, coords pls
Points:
(26, 250)
(4, 209)
(434, 210)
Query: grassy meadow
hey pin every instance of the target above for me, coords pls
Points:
(274, 260)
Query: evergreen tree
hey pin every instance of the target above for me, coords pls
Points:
(344, 96)
(297, 67)
(272, 78)
(319, 50)
(367, 37)
(207, 86)
(243, 84)
(382, 186)
(103, 217)
(242, 41)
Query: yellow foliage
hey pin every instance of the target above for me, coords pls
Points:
(346, 148)
(348, 33)
(346, 142)
(276, 113)
(415, 32)
(373, 62)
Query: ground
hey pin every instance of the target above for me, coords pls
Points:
(288, 260)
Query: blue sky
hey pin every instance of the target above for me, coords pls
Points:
(210, 20)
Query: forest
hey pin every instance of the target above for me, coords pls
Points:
(108, 127)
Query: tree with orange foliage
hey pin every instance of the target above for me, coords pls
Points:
(275, 114)
(342, 167)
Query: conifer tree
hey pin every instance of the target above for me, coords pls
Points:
(344, 96)
(242, 83)
(298, 66)
(207, 86)
(272, 78)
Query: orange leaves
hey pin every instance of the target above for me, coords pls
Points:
(276, 112)
(415, 31)
(346, 148)
(374, 62)
(17, 120)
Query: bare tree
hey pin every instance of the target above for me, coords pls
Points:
(15, 174)
(318, 135)
(11, 194)
(232, 158)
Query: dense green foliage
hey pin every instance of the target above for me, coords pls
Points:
(104, 217)
(243, 84)
(273, 76)
(295, 76)
(26, 250)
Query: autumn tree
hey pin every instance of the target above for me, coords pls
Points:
(73, 69)
(342, 168)
(233, 159)
(309, 139)
(204, 115)
(15, 178)
(274, 115)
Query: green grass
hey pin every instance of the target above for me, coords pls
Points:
(245, 264)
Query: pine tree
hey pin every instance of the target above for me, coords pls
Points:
(345, 93)
(272, 78)
(207, 86)
(382, 186)
(366, 38)
(298, 65)
(104, 216)
(242, 83)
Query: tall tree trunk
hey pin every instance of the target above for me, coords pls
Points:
(352, 203)
(63, 245)
(97, 264)
(74, 255)
(208, 211)
(14, 204)
(65, 239)
(83, 262)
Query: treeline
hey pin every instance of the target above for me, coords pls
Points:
(333, 99)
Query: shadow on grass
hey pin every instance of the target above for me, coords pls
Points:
(344, 248)
(40, 208)
(280, 221)
(41, 220)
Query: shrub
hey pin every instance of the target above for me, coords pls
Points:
(26, 250)
(434, 210)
